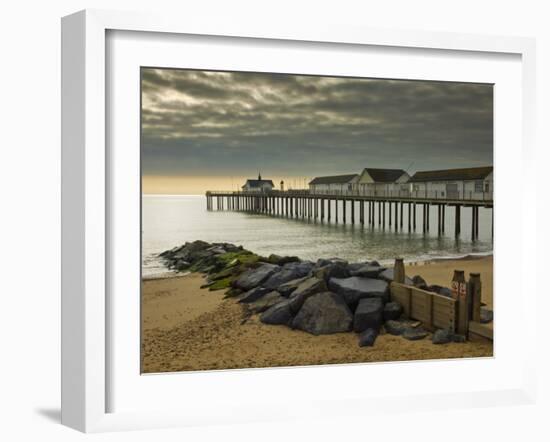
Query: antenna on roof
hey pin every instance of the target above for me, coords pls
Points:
(409, 167)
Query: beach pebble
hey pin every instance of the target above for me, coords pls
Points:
(368, 314)
(324, 313)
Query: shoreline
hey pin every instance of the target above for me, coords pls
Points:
(407, 262)
(189, 328)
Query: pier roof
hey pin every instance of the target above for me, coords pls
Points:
(384, 175)
(336, 179)
(258, 183)
(465, 174)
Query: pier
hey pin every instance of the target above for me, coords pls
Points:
(386, 212)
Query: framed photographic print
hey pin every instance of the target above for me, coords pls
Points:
(249, 212)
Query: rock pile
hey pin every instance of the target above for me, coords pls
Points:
(323, 297)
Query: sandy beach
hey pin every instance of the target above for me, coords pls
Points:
(185, 327)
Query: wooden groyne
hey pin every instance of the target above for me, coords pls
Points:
(384, 211)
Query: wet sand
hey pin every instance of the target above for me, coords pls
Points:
(185, 327)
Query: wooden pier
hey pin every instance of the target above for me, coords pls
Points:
(384, 211)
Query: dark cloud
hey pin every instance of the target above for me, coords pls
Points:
(197, 122)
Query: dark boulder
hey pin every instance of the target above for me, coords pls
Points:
(265, 302)
(387, 275)
(368, 271)
(324, 313)
(282, 260)
(254, 277)
(253, 295)
(181, 265)
(277, 314)
(333, 270)
(368, 314)
(356, 288)
(485, 315)
(442, 336)
(307, 288)
(392, 310)
(414, 334)
(288, 273)
(419, 282)
(288, 287)
(443, 291)
(367, 337)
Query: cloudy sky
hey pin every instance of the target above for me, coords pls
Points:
(209, 130)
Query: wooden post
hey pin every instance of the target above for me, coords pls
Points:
(427, 217)
(460, 293)
(322, 209)
(336, 209)
(399, 271)
(474, 289)
(443, 219)
(401, 216)
(389, 214)
(344, 210)
(414, 216)
(477, 221)
(457, 221)
(383, 214)
(362, 212)
(353, 211)
(379, 212)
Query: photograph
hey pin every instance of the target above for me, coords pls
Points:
(297, 220)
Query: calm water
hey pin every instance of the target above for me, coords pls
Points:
(171, 220)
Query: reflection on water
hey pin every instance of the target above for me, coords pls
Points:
(168, 221)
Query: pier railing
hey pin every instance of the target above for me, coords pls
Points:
(400, 195)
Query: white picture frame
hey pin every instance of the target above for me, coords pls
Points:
(86, 206)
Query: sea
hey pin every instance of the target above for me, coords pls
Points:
(171, 220)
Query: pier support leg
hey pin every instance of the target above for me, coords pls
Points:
(379, 213)
(457, 221)
(352, 211)
(329, 209)
(344, 211)
(428, 217)
(396, 209)
(401, 217)
(383, 214)
(477, 222)
(336, 209)
(409, 216)
(389, 214)
(443, 219)
(362, 212)
(414, 216)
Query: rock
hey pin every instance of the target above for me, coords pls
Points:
(392, 310)
(485, 315)
(368, 314)
(217, 250)
(414, 334)
(233, 292)
(375, 263)
(367, 337)
(288, 273)
(254, 277)
(181, 265)
(281, 260)
(339, 261)
(419, 282)
(324, 313)
(277, 314)
(265, 302)
(441, 336)
(321, 262)
(356, 288)
(443, 291)
(368, 271)
(458, 338)
(387, 275)
(398, 327)
(288, 287)
(253, 295)
(307, 288)
(332, 270)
